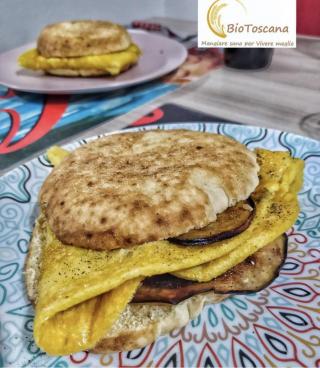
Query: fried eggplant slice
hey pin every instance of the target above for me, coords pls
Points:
(229, 223)
(251, 275)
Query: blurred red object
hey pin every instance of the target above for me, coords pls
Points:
(308, 17)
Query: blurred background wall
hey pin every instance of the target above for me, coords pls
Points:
(21, 20)
(183, 9)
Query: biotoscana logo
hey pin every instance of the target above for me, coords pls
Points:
(247, 23)
(216, 13)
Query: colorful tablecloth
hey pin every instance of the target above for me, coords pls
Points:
(175, 114)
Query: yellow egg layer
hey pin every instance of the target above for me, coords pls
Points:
(277, 208)
(112, 63)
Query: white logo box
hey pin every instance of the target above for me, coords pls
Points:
(247, 23)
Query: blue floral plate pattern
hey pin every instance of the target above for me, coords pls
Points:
(278, 326)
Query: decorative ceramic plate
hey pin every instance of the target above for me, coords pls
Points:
(278, 326)
(160, 55)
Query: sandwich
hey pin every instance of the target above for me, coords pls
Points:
(84, 48)
(139, 230)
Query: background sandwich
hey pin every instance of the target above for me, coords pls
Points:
(82, 48)
(116, 249)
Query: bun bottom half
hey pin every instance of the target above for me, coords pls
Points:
(141, 324)
(84, 72)
(76, 72)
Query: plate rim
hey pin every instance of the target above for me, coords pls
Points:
(86, 90)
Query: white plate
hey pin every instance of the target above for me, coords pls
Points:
(160, 55)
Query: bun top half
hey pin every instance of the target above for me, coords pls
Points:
(128, 189)
(82, 38)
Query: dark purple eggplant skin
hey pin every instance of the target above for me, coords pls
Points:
(275, 276)
(221, 236)
(170, 289)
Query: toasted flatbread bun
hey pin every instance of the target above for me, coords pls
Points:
(77, 72)
(132, 188)
(82, 38)
(142, 323)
